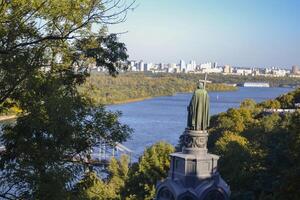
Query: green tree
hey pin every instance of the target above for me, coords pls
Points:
(248, 103)
(93, 187)
(271, 104)
(56, 36)
(235, 157)
(45, 50)
(261, 159)
(291, 180)
(90, 187)
(287, 101)
(152, 167)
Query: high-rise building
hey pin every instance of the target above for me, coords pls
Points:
(161, 66)
(207, 65)
(295, 70)
(215, 65)
(148, 66)
(227, 69)
(141, 67)
(182, 66)
(193, 63)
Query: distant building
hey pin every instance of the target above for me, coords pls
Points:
(132, 63)
(215, 65)
(141, 66)
(227, 69)
(212, 70)
(279, 72)
(244, 72)
(207, 65)
(256, 84)
(182, 66)
(172, 68)
(255, 72)
(295, 70)
(267, 71)
(191, 67)
(148, 67)
(193, 63)
(161, 66)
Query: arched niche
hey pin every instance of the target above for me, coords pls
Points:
(165, 194)
(187, 196)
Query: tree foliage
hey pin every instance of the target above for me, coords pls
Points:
(152, 167)
(46, 48)
(123, 182)
(259, 152)
(57, 36)
(93, 187)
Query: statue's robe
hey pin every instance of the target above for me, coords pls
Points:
(198, 111)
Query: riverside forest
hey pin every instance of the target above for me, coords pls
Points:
(127, 87)
(104, 89)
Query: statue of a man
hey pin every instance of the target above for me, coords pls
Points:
(198, 109)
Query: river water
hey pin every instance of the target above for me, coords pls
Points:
(164, 118)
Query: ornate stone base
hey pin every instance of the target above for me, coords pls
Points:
(193, 172)
(192, 169)
(213, 188)
(194, 142)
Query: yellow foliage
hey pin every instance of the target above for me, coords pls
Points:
(229, 137)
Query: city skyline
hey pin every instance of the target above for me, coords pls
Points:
(188, 61)
(208, 67)
(240, 33)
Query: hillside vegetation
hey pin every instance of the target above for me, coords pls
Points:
(103, 89)
(260, 152)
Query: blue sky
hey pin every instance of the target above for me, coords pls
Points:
(238, 32)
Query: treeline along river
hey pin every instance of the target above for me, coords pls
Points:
(164, 118)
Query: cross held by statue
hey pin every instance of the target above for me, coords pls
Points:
(204, 82)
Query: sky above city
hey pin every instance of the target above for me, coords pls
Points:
(261, 33)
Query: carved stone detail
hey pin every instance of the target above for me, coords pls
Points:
(193, 139)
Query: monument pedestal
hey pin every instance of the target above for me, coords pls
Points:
(193, 172)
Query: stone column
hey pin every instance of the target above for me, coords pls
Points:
(194, 142)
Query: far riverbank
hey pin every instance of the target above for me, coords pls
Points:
(125, 88)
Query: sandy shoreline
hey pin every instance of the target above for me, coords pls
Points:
(129, 101)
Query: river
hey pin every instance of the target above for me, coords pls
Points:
(164, 118)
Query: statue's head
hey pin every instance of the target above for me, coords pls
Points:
(200, 85)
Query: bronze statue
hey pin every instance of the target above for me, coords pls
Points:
(198, 109)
